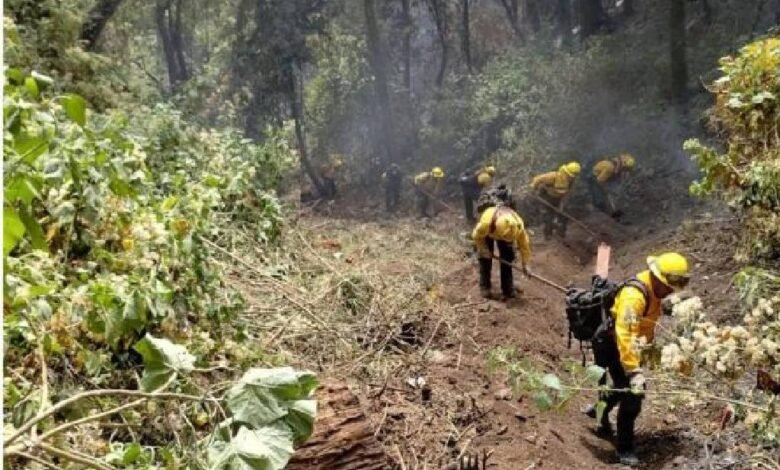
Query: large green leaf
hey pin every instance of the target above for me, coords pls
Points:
(34, 229)
(552, 381)
(162, 360)
(263, 396)
(76, 109)
(267, 448)
(594, 373)
(22, 188)
(13, 229)
(30, 147)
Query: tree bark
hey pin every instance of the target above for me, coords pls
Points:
(677, 53)
(406, 47)
(438, 10)
(378, 65)
(297, 113)
(628, 8)
(564, 21)
(466, 34)
(511, 8)
(97, 18)
(343, 438)
(168, 20)
(532, 17)
(592, 17)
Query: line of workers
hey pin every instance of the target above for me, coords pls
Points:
(638, 304)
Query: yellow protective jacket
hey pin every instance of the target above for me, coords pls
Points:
(605, 170)
(512, 230)
(635, 318)
(555, 183)
(330, 170)
(427, 182)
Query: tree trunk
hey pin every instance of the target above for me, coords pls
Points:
(343, 438)
(466, 32)
(438, 9)
(406, 47)
(564, 21)
(378, 65)
(297, 113)
(677, 55)
(592, 17)
(532, 15)
(511, 8)
(168, 20)
(628, 8)
(97, 18)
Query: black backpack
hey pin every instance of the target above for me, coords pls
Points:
(495, 196)
(588, 310)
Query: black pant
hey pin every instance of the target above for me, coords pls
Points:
(506, 252)
(423, 201)
(552, 217)
(607, 356)
(330, 187)
(471, 192)
(392, 195)
(599, 195)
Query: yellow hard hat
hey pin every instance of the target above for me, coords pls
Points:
(671, 269)
(571, 168)
(491, 170)
(628, 160)
(437, 172)
(483, 179)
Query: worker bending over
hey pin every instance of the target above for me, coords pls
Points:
(427, 185)
(604, 174)
(554, 187)
(391, 179)
(633, 317)
(502, 226)
(472, 183)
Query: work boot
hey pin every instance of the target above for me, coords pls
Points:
(628, 458)
(509, 295)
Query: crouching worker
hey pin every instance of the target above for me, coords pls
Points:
(502, 226)
(427, 185)
(635, 313)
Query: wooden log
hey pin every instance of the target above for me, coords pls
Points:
(343, 437)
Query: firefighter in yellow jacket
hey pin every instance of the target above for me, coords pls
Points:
(635, 313)
(554, 187)
(502, 226)
(427, 185)
(604, 173)
(472, 183)
(329, 173)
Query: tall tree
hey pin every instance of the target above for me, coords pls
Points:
(438, 9)
(169, 29)
(406, 46)
(466, 33)
(295, 99)
(677, 53)
(512, 10)
(96, 21)
(564, 21)
(592, 17)
(532, 16)
(378, 63)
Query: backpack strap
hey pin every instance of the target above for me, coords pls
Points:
(634, 282)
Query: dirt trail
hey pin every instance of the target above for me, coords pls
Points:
(483, 417)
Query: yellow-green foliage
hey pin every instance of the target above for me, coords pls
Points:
(746, 117)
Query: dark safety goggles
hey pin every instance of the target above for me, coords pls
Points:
(678, 282)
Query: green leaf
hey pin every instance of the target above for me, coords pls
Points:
(21, 188)
(267, 448)
(543, 401)
(131, 454)
(162, 360)
(263, 396)
(594, 373)
(601, 406)
(13, 229)
(30, 147)
(76, 109)
(121, 187)
(14, 76)
(37, 238)
(32, 87)
(551, 381)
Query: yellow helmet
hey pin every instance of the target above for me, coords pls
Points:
(671, 269)
(628, 161)
(437, 172)
(491, 170)
(483, 179)
(571, 168)
(337, 160)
